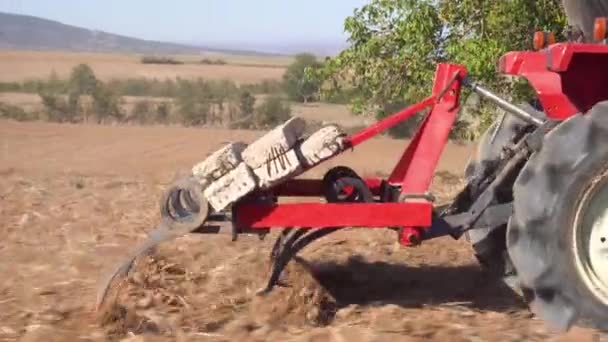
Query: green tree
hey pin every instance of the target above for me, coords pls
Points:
(83, 80)
(396, 44)
(299, 87)
(106, 104)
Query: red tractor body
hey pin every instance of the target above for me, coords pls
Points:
(569, 78)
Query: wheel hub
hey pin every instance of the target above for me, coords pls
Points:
(591, 238)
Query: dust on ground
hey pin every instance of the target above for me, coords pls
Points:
(75, 198)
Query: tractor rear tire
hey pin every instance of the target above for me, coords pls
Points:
(489, 243)
(560, 252)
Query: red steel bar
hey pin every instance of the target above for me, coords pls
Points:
(415, 169)
(323, 215)
(389, 122)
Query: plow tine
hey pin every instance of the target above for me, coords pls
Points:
(278, 243)
(286, 240)
(160, 234)
(290, 250)
(191, 213)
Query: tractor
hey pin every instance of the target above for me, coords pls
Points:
(535, 204)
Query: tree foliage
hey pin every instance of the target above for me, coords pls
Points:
(83, 80)
(396, 44)
(87, 98)
(298, 86)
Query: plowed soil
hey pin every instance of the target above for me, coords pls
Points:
(74, 199)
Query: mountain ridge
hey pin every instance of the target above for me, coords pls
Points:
(26, 32)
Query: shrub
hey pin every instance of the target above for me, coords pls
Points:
(142, 112)
(210, 61)
(106, 104)
(146, 112)
(272, 111)
(57, 108)
(193, 113)
(8, 111)
(246, 104)
(6, 87)
(163, 110)
(160, 60)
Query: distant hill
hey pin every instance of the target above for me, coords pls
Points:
(34, 33)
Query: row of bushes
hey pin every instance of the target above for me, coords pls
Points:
(16, 113)
(160, 60)
(151, 87)
(84, 98)
(173, 61)
(242, 114)
(297, 83)
(210, 61)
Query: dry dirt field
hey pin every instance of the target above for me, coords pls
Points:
(75, 198)
(21, 65)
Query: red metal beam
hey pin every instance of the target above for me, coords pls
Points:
(320, 215)
(386, 123)
(415, 169)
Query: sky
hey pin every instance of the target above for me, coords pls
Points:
(266, 24)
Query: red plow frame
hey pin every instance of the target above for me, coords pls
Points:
(402, 202)
(412, 174)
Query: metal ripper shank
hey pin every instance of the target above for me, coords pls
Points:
(183, 209)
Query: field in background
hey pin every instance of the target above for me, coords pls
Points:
(242, 60)
(19, 66)
(23, 65)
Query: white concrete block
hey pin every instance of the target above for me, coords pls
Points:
(276, 142)
(230, 187)
(219, 163)
(277, 170)
(323, 144)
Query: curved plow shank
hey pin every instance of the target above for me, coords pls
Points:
(279, 243)
(160, 234)
(286, 240)
(341, 185)
(183, 210)
(298, 242)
